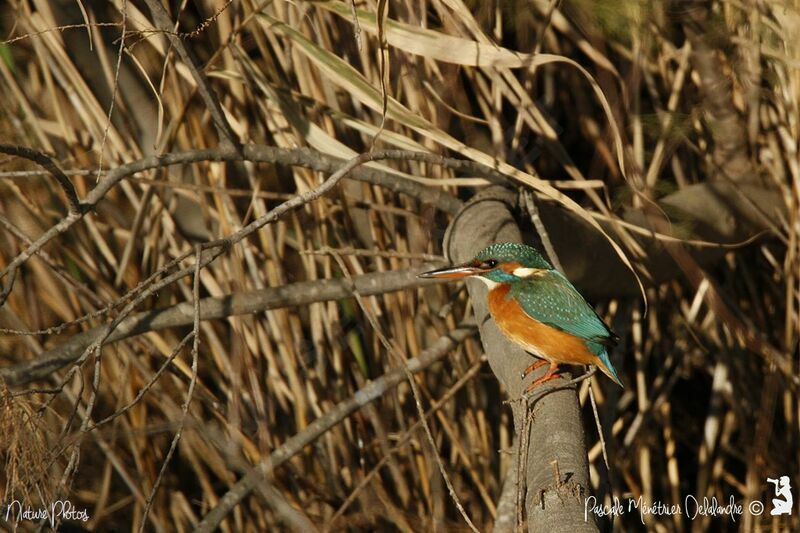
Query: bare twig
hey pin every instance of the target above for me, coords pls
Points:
(147, 386)
(369, 393)
(257, 154)
(296, 294)
(227, 137)
(403, 440)
(541, 230)
(189, 393)
(115, 85)
(45, 161)
(417, 398)
(373, 253)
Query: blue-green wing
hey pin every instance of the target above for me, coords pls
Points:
(550, 298)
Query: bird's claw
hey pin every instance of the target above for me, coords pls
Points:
(549, 375)
(533, 366)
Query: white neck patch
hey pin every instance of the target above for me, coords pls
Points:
(524, 272)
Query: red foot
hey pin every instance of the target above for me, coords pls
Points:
(538, 363)
(549, 375)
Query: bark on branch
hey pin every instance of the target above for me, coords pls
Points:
(296, 294)
(556, 444)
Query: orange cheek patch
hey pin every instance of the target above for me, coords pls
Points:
(510, 267)
(553, 344)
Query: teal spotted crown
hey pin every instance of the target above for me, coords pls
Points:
(506, 252)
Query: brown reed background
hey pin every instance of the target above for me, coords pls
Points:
(701, 413)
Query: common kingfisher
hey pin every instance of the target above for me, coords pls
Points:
(535, 306)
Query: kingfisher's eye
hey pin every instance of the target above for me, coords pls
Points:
(490, 263)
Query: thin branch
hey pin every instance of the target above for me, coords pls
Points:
(147, 386)
(227, 137)
(294, 445)
(534, 396)
(403, 440)
(189, 393)
(533, 211)
(417, 397)
(295, 294)
(599, 425)
(295, 519)
(326, 250)
(45, 161)
(214, 249)
(115, 85)
(303, 157)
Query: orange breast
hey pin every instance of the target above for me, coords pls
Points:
(536, 337)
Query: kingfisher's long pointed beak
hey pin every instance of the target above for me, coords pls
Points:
(452, 272)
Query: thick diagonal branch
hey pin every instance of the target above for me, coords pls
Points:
(369, 393)
(296, 294)
(556, 437)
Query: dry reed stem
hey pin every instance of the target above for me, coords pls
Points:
(130, 106)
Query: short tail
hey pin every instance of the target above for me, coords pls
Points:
(604, 364)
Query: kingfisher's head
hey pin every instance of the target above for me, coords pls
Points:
(502, 262)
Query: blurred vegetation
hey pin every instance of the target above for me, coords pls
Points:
(705, 411)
